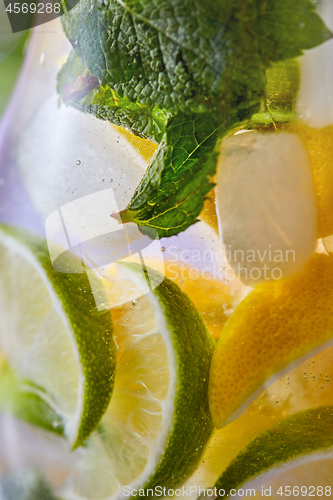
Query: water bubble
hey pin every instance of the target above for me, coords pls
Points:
(78, 162)
(135, 302)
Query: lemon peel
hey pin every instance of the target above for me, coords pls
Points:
(279, 324)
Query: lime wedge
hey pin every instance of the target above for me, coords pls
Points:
(25, 405)
(49, 336)
(155, 428)
(305, 438)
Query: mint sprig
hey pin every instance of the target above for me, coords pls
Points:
(179, 176)
(182, 73)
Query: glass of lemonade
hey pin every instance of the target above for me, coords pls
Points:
(166, 250)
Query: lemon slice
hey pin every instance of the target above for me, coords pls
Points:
(271, 465)
(49, 336)
(158, 420)
(279, 324)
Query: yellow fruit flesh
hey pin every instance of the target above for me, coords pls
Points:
(307, 386)
(319, 144)
(145, 147)
(278, 323)
(213, 299)
(208, 213)
(134, 417)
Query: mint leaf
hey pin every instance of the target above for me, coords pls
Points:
(287, 27)
(168, 67)
(146, 121)
(75, 82)
(179, 176)
(80, 89)
(176, 53)
(165, 53)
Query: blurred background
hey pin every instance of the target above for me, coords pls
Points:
(11, 56)
(9, 71)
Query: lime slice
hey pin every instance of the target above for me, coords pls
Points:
(155, 428)
(305, 438)
(26, 405)
(49, 336)
(278, 325)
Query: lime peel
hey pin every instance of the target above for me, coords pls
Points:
(26, 405)
(303, 437)
(89, 335)
(164, 358)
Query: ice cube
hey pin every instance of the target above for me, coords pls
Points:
(265, 204)
(65, 154)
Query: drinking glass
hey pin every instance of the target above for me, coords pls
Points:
(274, 194)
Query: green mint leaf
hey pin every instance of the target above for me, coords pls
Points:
(74, 81)
(179, 176)
(146, 121)
(174, 70)
(287, 27)
(178, 54)
(165, 53)
(80, 89)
